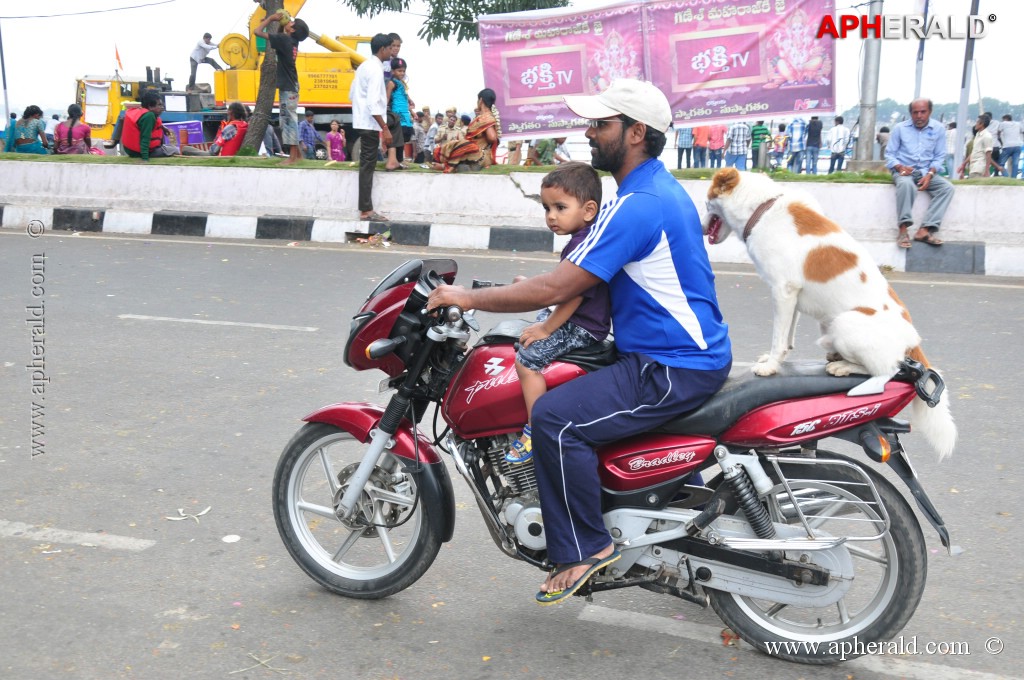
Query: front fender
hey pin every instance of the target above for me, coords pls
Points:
(358, 419)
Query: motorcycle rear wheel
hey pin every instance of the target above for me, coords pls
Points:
(889, 575)
(390, 544)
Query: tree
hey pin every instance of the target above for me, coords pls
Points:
(451, 19)
(446, 20)
(260, 117)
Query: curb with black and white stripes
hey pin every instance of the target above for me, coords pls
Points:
(281, 227)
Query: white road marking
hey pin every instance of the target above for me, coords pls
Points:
(271, 326)
(704, 634)
(547, 258)
(34, 533)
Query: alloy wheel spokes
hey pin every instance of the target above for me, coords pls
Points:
(316, 509)
(349, 542)
(326, 464)
(865, 554)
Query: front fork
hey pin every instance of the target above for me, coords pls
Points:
(395, 412)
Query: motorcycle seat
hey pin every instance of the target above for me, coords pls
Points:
(589, 358)
(743, 393)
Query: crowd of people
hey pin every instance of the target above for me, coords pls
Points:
(795, 146)
(456, 142)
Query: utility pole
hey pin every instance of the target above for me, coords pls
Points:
(920, 58)
(965, 93)
(869, 90)
(3, 72)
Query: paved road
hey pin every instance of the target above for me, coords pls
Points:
(139, 416)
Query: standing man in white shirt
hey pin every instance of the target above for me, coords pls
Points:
(201, 55)
(838, 141)
(51, 127)
(1010, 142)
(369, 120)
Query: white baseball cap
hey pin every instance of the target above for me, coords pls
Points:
(637, 99)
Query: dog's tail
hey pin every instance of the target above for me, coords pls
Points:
(936, 424)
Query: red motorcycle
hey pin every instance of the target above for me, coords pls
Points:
(801, 551)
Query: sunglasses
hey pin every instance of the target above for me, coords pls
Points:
(601, 123)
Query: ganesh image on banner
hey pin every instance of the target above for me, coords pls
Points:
(795, 57)
(618, 58)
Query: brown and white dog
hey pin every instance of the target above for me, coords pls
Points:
(813, 266)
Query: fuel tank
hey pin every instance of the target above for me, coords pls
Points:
(485, 397)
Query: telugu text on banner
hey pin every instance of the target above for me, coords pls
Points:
(715, 60)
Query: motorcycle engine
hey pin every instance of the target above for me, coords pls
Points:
(523, 515)
(522, 510)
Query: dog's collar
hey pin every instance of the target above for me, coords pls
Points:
(761, 210)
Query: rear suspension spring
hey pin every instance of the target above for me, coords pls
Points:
(746, 498)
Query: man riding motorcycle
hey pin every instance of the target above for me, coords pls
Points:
(673, 344)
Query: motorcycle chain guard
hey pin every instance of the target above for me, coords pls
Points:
(819, 582)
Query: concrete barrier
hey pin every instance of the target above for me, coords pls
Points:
(983, 229)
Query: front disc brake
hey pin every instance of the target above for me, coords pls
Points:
(362, 518)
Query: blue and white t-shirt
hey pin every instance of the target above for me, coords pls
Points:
(648, 245)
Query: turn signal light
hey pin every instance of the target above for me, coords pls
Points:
(876, 445)
(383, 347)
(886, 448)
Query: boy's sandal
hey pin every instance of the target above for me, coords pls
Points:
(903, 241)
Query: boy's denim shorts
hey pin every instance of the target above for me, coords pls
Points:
(564, 340)
(289, 117)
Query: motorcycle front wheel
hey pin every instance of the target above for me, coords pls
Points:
(889, 572)
(383, 548)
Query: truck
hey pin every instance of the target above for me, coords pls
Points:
(195, 115)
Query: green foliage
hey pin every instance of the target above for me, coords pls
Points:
(451, 19)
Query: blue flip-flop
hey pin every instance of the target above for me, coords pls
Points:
(596, 565)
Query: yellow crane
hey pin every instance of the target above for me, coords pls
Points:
(324, 82)
(324, 77)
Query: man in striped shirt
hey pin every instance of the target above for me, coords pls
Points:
(684, 144)
(736, 142)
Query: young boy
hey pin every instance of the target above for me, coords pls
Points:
(571, 196)
(780, 143)
(286, 45)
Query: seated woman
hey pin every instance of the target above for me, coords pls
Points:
(28, 135)
(477, 150)
(229, 137)
(72, 136)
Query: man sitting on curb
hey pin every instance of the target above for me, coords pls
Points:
(916, 152)
(143, 133)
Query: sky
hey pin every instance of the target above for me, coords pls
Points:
(44, 56)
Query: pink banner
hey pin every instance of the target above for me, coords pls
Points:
(716, 60)
(747, 59)
(533, 59)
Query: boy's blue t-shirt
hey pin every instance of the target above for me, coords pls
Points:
(648, 245)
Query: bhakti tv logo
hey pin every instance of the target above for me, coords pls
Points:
(905, 26)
